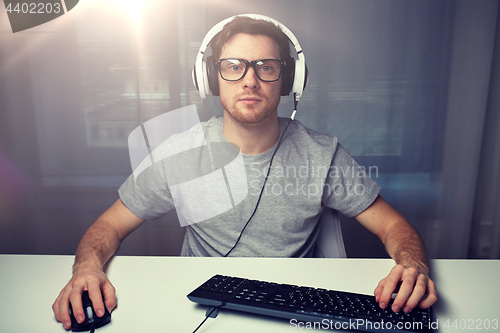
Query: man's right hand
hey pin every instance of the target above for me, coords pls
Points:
(101, 240)
(84, 278)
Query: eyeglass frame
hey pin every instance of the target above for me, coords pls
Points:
(247, 65)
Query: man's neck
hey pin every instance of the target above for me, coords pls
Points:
(253, 139)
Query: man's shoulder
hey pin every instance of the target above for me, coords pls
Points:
(212, 123)
(196, 136)
(307, 136)
(203, 126)
(196, 130)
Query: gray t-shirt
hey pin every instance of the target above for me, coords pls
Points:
(310, 170)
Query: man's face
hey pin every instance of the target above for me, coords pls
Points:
(250, 100)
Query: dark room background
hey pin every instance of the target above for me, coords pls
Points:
(411, 87)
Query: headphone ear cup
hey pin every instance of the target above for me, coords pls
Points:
(288, 77)
(305, 77)
(213, 76)
(195, 78)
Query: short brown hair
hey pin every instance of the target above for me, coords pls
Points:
(247, 25)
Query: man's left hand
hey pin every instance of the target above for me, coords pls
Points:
(416, 289)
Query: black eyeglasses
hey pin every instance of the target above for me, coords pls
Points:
(267, 70)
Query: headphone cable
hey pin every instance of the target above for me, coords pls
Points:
(267, 176)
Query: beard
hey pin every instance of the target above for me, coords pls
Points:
(250, 114)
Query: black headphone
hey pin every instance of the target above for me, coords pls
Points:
(205, 72)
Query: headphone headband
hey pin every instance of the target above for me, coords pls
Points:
(201, 74)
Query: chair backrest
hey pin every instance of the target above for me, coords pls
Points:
(330, 243)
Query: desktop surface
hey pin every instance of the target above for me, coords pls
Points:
(152, 291)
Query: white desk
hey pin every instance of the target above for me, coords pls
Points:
(152, 291)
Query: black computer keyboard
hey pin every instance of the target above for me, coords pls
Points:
(308, 307)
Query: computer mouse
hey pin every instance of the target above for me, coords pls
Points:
(92, 321)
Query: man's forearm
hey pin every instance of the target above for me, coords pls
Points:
(97, 245)
(405, 246)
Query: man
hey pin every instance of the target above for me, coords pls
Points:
(268, 222)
